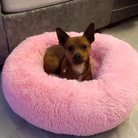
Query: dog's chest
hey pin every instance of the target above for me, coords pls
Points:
(80, 77)
(78, 69)
(73, 72)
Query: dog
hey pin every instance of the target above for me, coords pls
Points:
(71, 58)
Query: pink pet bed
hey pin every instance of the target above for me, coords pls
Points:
(68, 106)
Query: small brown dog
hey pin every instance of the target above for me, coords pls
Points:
(71, 58)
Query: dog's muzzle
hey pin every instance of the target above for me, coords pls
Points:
(78, 59)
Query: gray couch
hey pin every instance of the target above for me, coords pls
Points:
(21, 19)
(123, 9)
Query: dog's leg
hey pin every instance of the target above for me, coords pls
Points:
(51, 64)
(88, 77)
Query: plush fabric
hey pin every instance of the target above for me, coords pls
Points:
(68, 106)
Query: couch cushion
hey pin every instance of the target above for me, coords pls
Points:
(13, 6)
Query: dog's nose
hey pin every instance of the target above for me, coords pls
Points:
(77, 56)
(78, 59)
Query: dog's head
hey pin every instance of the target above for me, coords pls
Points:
(77, 49)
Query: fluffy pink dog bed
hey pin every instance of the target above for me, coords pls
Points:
(68, 106)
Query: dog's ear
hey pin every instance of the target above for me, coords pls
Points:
(62, 36)
(89, 33)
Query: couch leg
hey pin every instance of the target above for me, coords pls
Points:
(1, 66)
(113, 24)
(98, 31)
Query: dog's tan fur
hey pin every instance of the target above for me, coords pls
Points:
(71, 58)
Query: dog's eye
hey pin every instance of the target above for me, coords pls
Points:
(84, 47)
(70, 48)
